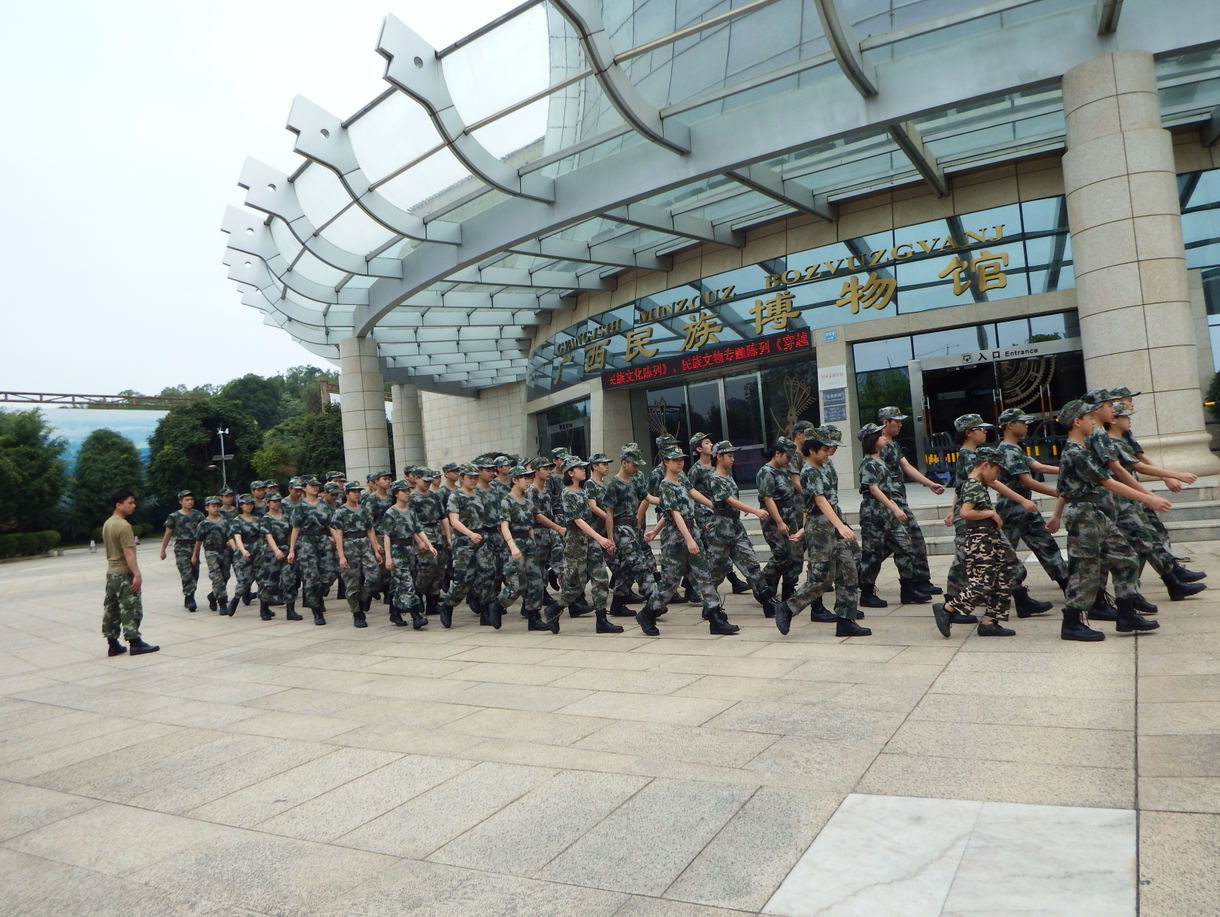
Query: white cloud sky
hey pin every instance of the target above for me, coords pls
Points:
(126, 126)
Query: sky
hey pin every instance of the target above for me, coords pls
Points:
(126, 127)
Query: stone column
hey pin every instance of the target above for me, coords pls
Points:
(1126, 228)
(609, 421)
(366, 447)
(408, 425)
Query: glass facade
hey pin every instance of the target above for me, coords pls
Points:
(1199, 195)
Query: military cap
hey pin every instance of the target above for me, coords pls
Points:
(332, 488)
(573, 461)
(827, 436)
(257, 485)
(868, 430)
(631, 453)
(185, 493)
(1097, 397)
(540, 462)
(294, 483)
(559, 452)
(988, 454)
(787, 445)
(501, 459)
(449, 466)
(520, 471)
(310, 479)
(666, 439)
(598, 458)
(246, 498)
(398, 485)
(1123, 409)
(722, 447)
(697, 440)
(274, 495)
(352, 485)
(484, 462)
(970, 422)
(370, 477)
(467, 468)
(830, 428)
(226, 491)
(1073, 411)
(335, 476)
(1121, 391)
(890, 413)
(411, 470)
(1012, 415)
(208, 501)
(671, 451)
(804, 427)
(382, 473)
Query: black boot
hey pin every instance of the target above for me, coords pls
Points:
(1103, 609)
(1129, 621)
(819, 614)
(783, 617)
(1075, 627)
(1178, 589)
(445, 612)
(318, 617)
(909, 595)
(321, 606)
(1182, 575)
(1142, 605)
(740, 586)
(114, 648)
(604, 626)
(342, 593)
(211, 601)
(870, 599)
(719, 625)
(1062, 584)
(418, 619)
(139, 647)
(430, 603)
(233, 605)
(619, 609)
(188, 602)
(943, 623)
(648, 622)
(925, 585)
(787, 591)
(264, 611)
(995, 629)
(495, 614)
(578, 608)
(845, 627)
(359, 620)
(552, 579)
(290, 612)
(396, 617)
(1026, 605)
(247, 597)
(533, 618)
(634, 598)
(551, 616)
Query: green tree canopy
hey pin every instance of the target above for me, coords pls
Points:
(304, 443)
(33, 474)
(260, 398)
(182, 448)
(107, 461)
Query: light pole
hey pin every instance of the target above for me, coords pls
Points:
(223, 457)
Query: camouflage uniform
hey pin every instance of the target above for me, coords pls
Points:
(401, 526)
(554, 490)
(583, 560)
(362, 566)
(278, 580)
(725, 537)
(988, 558)
(1133, 525)
(892, 454)
(313, 523)
(213, 540)
(490, 557)
(786, 555)
(676, 560)
(881, 534)
(469, 510)
(548, 542)
(633, 559)
(429, 570)
(830, 560)
(1018, 524)
(522, 577)
(957, 570)
(244, 568)
(377, 506)
(185, 526)
(122, 607)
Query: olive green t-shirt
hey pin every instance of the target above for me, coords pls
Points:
(117, 534)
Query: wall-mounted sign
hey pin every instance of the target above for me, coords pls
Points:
(773, 345)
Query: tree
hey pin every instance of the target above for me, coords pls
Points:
(33, 474)
(182, 447)
(304, 443)
(258, 397)
(301, 395)
(107, 461)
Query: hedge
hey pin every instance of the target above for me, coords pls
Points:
(25, 544)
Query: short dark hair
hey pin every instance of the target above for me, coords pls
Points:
(120, 496)
(811, 445)
(869, 443)
(777, 446)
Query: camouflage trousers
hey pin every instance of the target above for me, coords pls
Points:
(1031, 528)
(427, 568)
(523, 577)
(218, 574)
(121, 606)
(958, 575)
(786, 558)
(1156, 527)
(583, 562)
(188, 572)
(278, 580)
(1096, 548)
(361, 572)
(919, 545)
(881, 534)
(314, 564)
(330, 566)
(402, 584)
(677, 562)
(465, 570)
(988, 570)
(633, 562)
(829, 561)
(1146, 542)
(727, 543)
(244, 569)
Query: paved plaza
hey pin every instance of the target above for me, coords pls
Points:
(282, 768)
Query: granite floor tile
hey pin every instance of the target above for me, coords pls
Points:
(825, 721)
(1179, 755)
(1180, 794)
(724, 747)
(25, 808)
(520, 697)
(1067, 712)
(528, 725)
(661, 709)
(1174, 878)
(1031, 744)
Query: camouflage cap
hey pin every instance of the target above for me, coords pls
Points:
(294, 483)
(1123, 409)
(599, 458)
(257, 485)
(335, 476)
(723, 447)
(830, 428)
(502, 460)
(666, 439)
(227, 491)
(211, 501)
(1072, 411)
(540, 462)
(697, 440)
(370, 477)
(332, 487)
(1097, 397)
(890, 413)
(273, 496)
(520, 471)
(827, 436)
(467, 468)
(185, 493)
(398, 485)
(412, 471)
(1013, 415)
(671, 452)
(449, 466)
(804, 427)
(970, 422)
(352, 485)
(246, 498)
(382, 473)
(787, 445)
(559, 452)
(1121, 391)
(988, 454)
(867, 430)
(484, 462)
(310, 480)
(428, 474)
(573, 461)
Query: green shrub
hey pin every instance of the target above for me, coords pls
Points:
(25, 544)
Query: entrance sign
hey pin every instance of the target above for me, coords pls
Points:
(832, 384)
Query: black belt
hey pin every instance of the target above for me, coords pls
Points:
(402, 542)
(347, 535)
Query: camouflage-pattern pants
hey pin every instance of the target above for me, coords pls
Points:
(188, 572)
(402, 584)
(829, 561)
(1145, 541)
(727, 544)
(1031, 528)
(786, 558)
(121, 606)
(523, 578)
(1152, 519)
(583, 562)
(429, 570)
(314, 566)
(633, 562)
(881, 534)
(278, 580)
(677, 562)
(361, 570)
(464, 570)
(919, 545)
(1096, 548)
(988, 565)
(330, 565)
(243, 570)
(218, 574)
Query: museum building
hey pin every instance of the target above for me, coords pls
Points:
(588, 223)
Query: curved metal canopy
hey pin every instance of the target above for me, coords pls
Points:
(483, 189)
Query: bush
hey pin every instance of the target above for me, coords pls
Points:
(25, 544)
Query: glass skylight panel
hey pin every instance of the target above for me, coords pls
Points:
(429, 184)
(500, 67)
(285, 242)
(393, 133)
(318, 271)
(320, 193)
(518, 135)
(354, 231)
